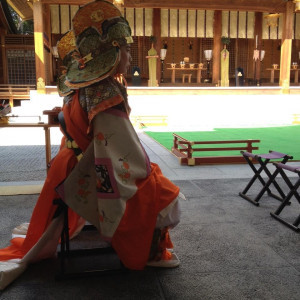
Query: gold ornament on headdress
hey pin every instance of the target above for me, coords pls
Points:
(81, 60)
(66, 44)
(97, 16)
(93, 14)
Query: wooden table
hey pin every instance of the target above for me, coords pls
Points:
(272, 74)
(186, 69)
(273, 71)
(296, 75)
(46, 127)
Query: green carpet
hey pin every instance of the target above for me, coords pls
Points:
(285, 139)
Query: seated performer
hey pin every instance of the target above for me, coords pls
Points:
(102, 171)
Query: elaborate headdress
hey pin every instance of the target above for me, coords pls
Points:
(100, 31)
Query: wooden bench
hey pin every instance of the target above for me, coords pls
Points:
(12, 92)
(184, 150)
(53, 115)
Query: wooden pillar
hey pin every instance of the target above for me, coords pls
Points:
(217, 47)
(258, 45)
(141, 45)
(47, 30)
(157, 34)
(236, 54)
(3, 55)
(39, 45)
(286, 47)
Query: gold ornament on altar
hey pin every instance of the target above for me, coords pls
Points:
(272, 20)
(294, 66)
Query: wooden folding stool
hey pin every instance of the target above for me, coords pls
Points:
(263, 160)
(66, 253)
(293, 191)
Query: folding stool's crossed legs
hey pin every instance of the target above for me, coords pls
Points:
(293, 192)
(257, 172)
(257, 175)
(271, 180)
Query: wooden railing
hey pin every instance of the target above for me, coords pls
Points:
(184, 150)
(13, 92)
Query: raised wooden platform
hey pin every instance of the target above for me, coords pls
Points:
(211, 91)
(185, 150)
(15, 92)
(194, 90)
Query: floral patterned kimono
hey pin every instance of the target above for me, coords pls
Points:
(113, 186)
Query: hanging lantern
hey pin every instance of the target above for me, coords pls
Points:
(272, 19)
(297, 5)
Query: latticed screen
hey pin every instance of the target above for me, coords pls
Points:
(21, 66)
(134, 55)
(139, 51)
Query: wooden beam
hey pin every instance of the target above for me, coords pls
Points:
(237, 5)
(286, 47)
(140, 51)
(39, 45)
(47, 30)
(234, 5)
(258, 37)
(3, 32)
(217, 47)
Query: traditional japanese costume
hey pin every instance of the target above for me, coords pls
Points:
(102, 171)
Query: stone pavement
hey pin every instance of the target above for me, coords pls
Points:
(21, 163)
(229, 248)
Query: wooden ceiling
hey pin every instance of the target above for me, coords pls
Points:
(271, 6)
(22, 7)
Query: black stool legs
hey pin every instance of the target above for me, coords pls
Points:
(293, 192)
(263, 160)
(66, 252)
